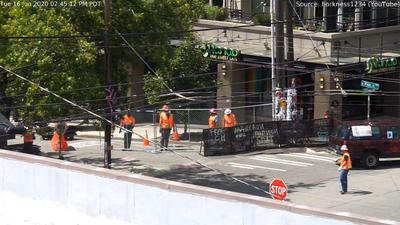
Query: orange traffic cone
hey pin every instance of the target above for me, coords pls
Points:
(146, 141)
(175, 135)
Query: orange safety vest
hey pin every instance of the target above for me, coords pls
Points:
(28, 138)
(55, 143)
(166, 121)
(212, 121)
(128, 120)
(345, 164)
(229, 120)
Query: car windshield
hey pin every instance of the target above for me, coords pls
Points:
(342, 131)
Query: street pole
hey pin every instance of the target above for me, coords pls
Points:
(155, 128)
(369, 105)
(279, 43)
(107, 80)
(273, 81)
(289, 35)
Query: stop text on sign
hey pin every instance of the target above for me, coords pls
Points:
(275, 190)
(278, 189)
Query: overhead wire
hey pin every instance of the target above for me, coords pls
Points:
(133, 132)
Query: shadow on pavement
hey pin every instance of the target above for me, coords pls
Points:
(360, 192)
(35, 150)
(198, 175)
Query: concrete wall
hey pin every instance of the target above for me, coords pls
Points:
(148, 201)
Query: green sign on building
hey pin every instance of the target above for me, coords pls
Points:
(375, 65)
(217, 52)
(370, 85)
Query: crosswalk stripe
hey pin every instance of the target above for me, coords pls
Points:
(282, 161)
(85, 144)
(255, 166)
(317, 156)
(243, 167)
(308, 157)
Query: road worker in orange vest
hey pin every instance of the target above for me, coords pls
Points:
(213, 119)
(344, 166)
(28, 140)
(128, 122)
(229, 119)
(166, 124)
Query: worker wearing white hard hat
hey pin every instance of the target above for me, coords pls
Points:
(229, 119)
(345, 165)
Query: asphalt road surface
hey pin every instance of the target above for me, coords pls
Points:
(310, 174)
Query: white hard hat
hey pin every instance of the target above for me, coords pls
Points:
(344, 148)
(228, 111)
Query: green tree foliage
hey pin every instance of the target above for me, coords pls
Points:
(184, 71)
(61, 65)
(66, 64)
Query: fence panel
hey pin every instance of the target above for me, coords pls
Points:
(255, 136)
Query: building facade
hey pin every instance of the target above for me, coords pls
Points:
(330, 65)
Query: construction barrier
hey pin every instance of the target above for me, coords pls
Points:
(255, 136)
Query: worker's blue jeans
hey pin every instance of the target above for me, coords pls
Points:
(343, 179)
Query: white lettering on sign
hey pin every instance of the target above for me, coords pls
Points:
(278, 190)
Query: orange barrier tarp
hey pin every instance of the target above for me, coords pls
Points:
(55, 143)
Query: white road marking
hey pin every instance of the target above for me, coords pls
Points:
(308, 157)
(85, 144)
(243, 167)
(254, 166)
(317, 156)
(282, 161)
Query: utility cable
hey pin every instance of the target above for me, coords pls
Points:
(133, 132)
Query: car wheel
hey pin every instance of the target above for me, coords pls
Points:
(370, 160)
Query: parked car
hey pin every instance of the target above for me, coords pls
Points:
(47, 132)
(367, 140)
(8, 130)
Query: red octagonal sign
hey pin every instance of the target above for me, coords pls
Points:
(278, 189)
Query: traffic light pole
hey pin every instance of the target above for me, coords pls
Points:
(369, 106)
(107, 81)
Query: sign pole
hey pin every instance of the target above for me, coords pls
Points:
(273, 81)
(369, 105)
